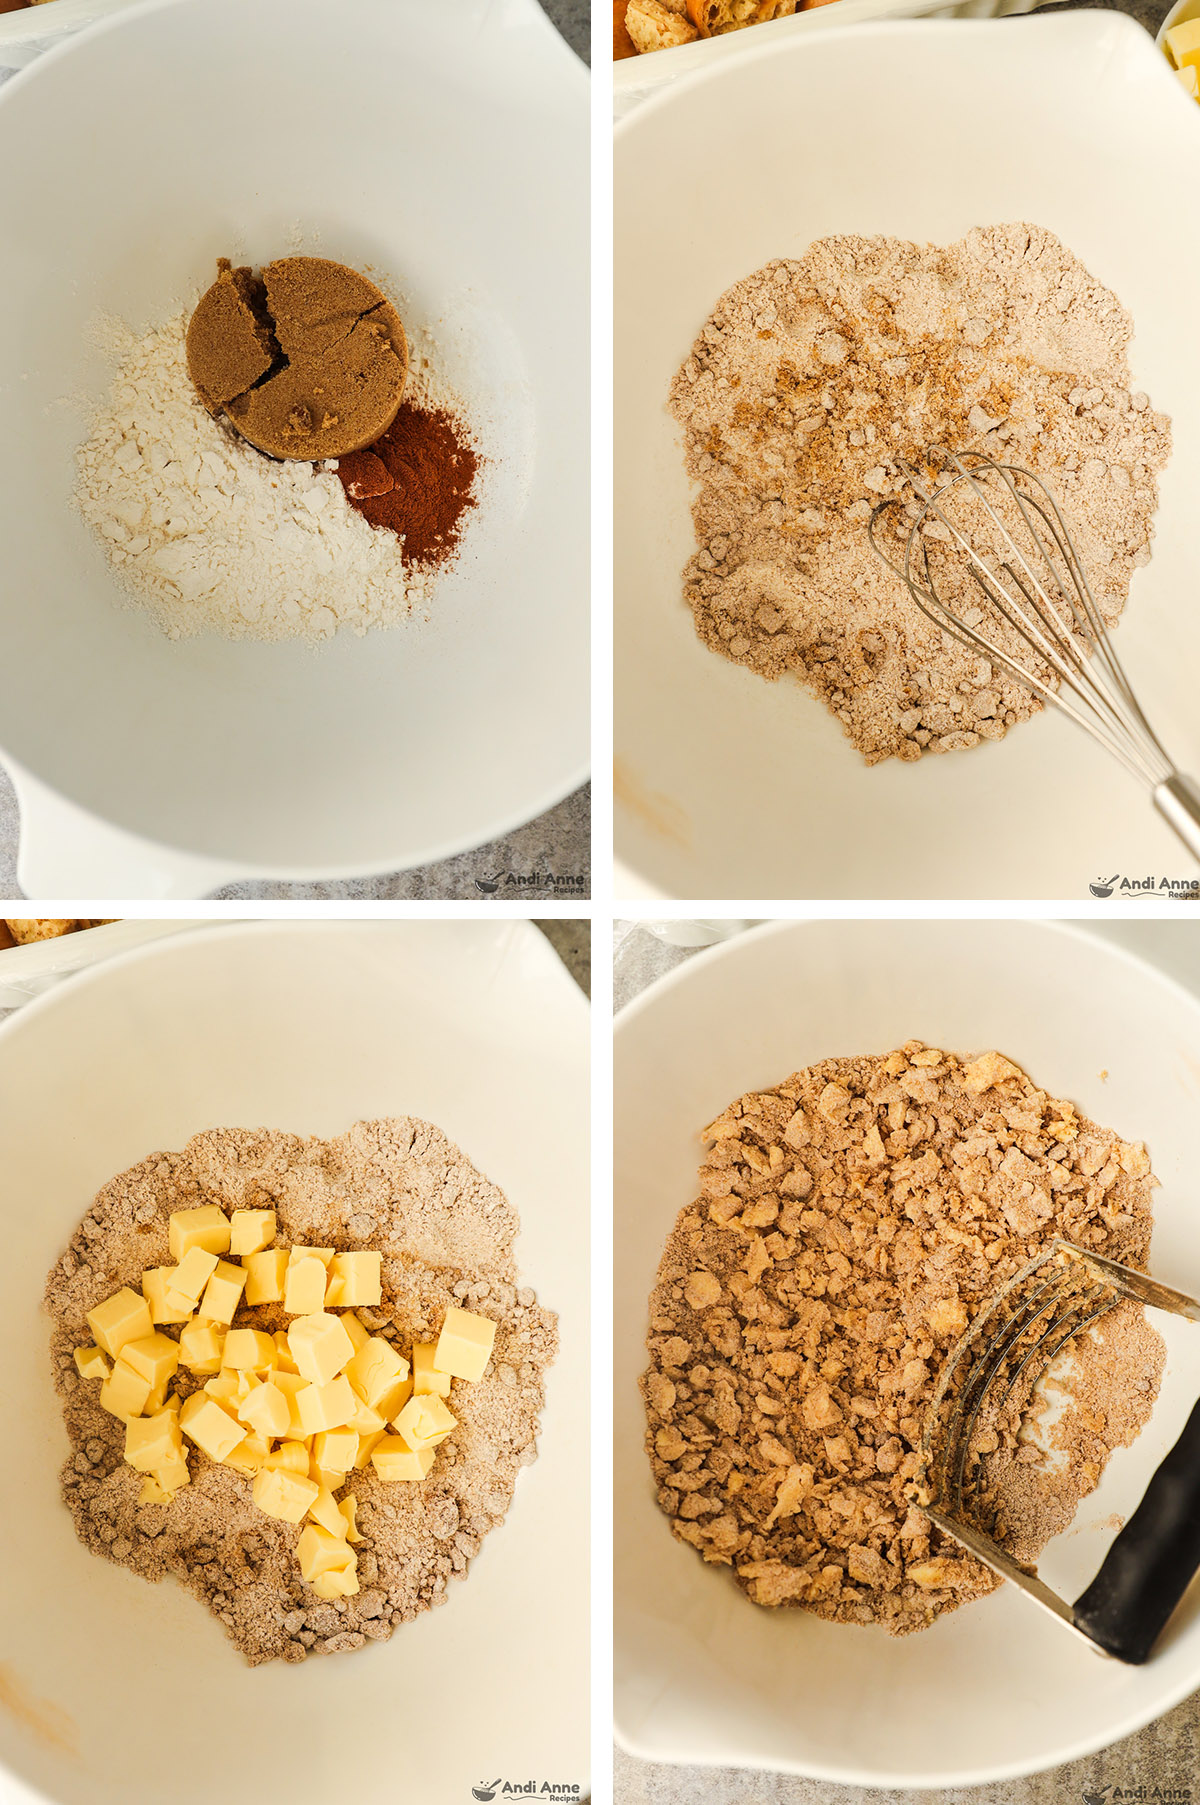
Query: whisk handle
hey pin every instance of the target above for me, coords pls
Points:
(1178, 802)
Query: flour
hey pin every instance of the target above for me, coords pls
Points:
(206, 533)
(807, 383)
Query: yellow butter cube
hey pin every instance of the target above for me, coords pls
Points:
(154, 1289)
(91, 1363)
(304, 1287)
(283, 1353)
(151, 1492)
(249, 1455)
(209, 1426)
(124, 1393)
(342, 1584)
(223, 1293)
(334, 1450)
(367, 1420)
(327, 1563)
(223, 1386)
(290, 1457)
(348, 1507)
(265, 1274)
(393, 1459)
(250, 1231)
(1183, 42)
(367, 1445)
(394, 1399)
(250, 1350)
(291, 1385)
(207, 1227)
(155, 1356)
(201, 1346)
(375, 1369)
(174, 1472)
(464, 1346)
(283, 1493)
(120, 1318)
(324, 1510)
(357, 1278)
(152, 1441)
(173, 1402)
(326, 1406)
(320, 1346)
(424, 1422)
(357, 1330)
(427, 1380)
(1189, 79)
(186, 1282)
(324, 1254)
(266, 1411)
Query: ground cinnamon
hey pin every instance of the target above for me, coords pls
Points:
(418, 481)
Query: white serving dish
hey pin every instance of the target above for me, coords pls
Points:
(27, 971)
(738, 787)
(116, 1688)
(1182, 11)
(150, 768)
(997, 1689)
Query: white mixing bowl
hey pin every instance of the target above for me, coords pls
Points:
(732, 786)
(995, 1689)
(444, 146)
(112, 1689)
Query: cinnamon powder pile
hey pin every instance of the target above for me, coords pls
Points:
(418, 481)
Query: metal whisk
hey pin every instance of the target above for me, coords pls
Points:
(1034, 581)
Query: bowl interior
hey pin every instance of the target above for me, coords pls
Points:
(107, 1679)
(1066, 122)
(994, 1689)
(450, 156)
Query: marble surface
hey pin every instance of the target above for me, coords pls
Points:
(1165, 1755)
(547, 859)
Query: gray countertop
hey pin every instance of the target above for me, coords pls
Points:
(1165, 1755)
(546, 859)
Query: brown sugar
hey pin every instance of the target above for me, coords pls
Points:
(309, 361)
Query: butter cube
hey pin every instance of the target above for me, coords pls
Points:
(223, 1293)
(367, 1445)
(265, 1274)
(326, 1406)
(152, 1441)
(1189, 79)
(201, 1347)
(174, 1472)
(266, 1411)
(394, 1399)
(291, 1385)
(124, 1393)
(283, 1353)
(154, 1289)
(151, 1492)
(324, 1510)
(283, 1494)
(209, 1426)
(154, 1356)
(320, 1347)
(427, 1381)
(120, 1318)
(357, 1330)
(348, 1507)
(1183, 43)
(375, 1369)
(223, 1386)
(304, 1287)
(186, 1281)
(250, 1231)
(356, 1279)
(367, 1420)
(464, 1346)
(91, 1363)
(249, 1455)
(393, 1459)
(334, 1450)
(250, 1350)
(324, 1254)
(207, 1227)
(327, 1563)
(424, 1422)
(289, 1457)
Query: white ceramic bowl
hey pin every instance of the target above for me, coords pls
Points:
(27, 971)
(1178, 15)
(116, 1689)
(731, 786)
(447, 148)
(996, 1689)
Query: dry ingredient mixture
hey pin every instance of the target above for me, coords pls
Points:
(640, 26)
(808, 381)
(446, 1238)
(851, 1221)
(209, 534)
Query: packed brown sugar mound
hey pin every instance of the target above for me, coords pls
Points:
(807, 383)
(446, 1237)
(850, 1223)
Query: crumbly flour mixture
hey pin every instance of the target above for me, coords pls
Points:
(851, 1221)
(811, 377)
(446, 1235)
(207, 534)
